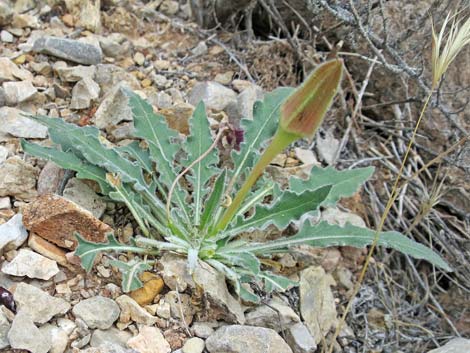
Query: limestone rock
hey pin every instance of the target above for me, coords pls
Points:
(25, 335)
(57, 336)
(242, 339)
(13, 233)
(49, 250)
(18, 92)
(39, 305)
(277, 316)
(68, 49)
(109, 76)
(153, 285)
(317, 304)
(83, 93)
(97, 312)
(193, 345)
(6, 14)
(149, 340)
(57, 219)
(86, 12)
(456, 345)
(299, 339)
(80, 193)
(17, 125)
(110, 336)
(180, 305)
(30, 264)
(10, 72)
(214, 95)
(50, 178)
(113, 109)
(4, 328)
(131, 311)
(74, 73)
(18, 179)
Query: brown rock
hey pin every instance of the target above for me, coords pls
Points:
(57, 219)
(153, 285)
(178, 116)
(48, 250)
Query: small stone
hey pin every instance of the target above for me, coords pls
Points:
(38, 304)
(111, 76)
(6, 13)
(81, 342)
(306, 156)
(18, 92)
(146, 83)
(161, 64)
(180, 304)
(317, 304)
(97, 312)
(160, 81)
(327, 147)
(163, 310)
(202, 329)
(30, 264)
(57, 219)
(4, 328)
(17, 125)
(110, 336)
(5, 204)
(193, 345)
(132, 311)
(277, 316)
(6, 37)
(25, 335)
(456, 345)
(214, 95)
(149, 340)
(80, 193)
(10, 72)
(83, 93)
(25, 21)
(68, 20)
(75, 73)
(50, 178)
(49, 250)
(19, 60)
(18, 179)
(178, 117)
(87, 13)
(200, 49)
(224, 78)
(239, 339)
(57, 336)
(153, 285)
(169, 7)
(113, 109)
(139, 58)
(43, 68)
(12, 233)
(299, 339)
(68, 49)
(115, 48)
(66, 324)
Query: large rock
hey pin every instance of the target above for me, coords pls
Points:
(39, 305)
(13, 122)
(223, 306)
(57, 336)
(317, 304)
(18, 179)
(69, 49)
(18, 92)
(97, 312)
(149, 340)
(13, 233)
(25, 335)
(57, 219)
(242, 339)
(30, 264)
(457, 345)
(214, 95)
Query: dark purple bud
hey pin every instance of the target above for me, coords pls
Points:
(6, 298)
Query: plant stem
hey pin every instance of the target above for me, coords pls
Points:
(280, 141)
(391, 200)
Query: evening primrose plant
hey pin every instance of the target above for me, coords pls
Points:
(186, 203)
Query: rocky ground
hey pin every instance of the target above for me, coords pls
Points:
(71, 61)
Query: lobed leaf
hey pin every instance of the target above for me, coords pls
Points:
(130, 273)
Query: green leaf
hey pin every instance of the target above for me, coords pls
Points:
(130, 273)
(140, 155)
(288, 208)
(325, 234)
(246, 295)
(155, 131)
(208, 216)
(68, 160)
(197, 143)
(274, 282)
(87, 250)
(344, 183)
(245, 260)
(259, 130)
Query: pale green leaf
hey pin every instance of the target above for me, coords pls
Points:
(130, 273)
(213, 201)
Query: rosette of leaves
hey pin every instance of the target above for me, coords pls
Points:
(142, 174)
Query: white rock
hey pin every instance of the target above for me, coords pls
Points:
(113, 109)
(193, 345)
(334, 216)
(3, 154)
(14, 123)
(4, 328)
(83, 93)
(214, 95)
(299, 339)
(13, 234)
(18, 92)
(327, 147)
(25, 335)
(457, 345)
(75, 73)
(97, 312)
(80, 193)
(132, 311)
(10, 72)
(277, 316)
(149, 340)
(30, 264)
(57, 336)
(6, 37)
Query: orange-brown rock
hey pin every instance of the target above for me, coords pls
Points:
(153, 285)
(56, 219)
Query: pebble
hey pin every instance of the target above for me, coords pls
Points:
(4, 328)
(83, 93)
(38, 304)
(6, 37)
(277, 315)
(5, 203)
(17, 125)
(193, 345)
(202, 329)
(30, 264)
(110, 336)
(75, 73)
(18, 179)
(299, 339)
(10, 72)
(57, 336)
(12, 233)
(213, 94)
(6, 13)
(69, 49)
(139, 58)
(149, 340)
(18, 92)
(132, 311)
(49, 250)
(97, 312)
(113, 109)
(239, 338)
(25, 335)
(43, 68)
